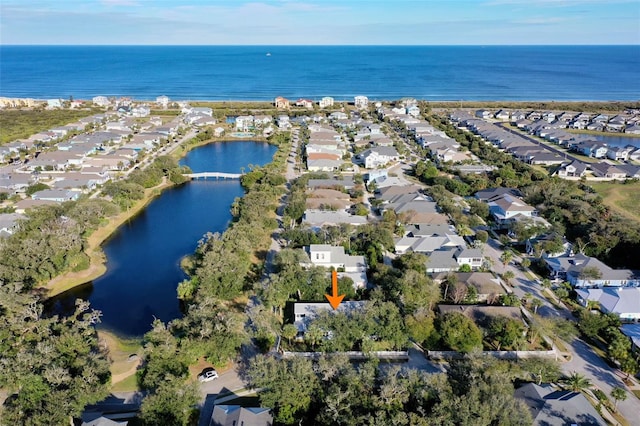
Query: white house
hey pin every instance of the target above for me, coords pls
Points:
(361, 102)
(102, 101)
(329, 256)
(379, 156)
(163, 101)
(326, 102)
(244, 122)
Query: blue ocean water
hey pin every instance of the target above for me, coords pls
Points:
(380, 72)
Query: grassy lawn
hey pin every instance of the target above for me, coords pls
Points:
(130, 384)
(16, 124)
(623, 198)
(123, 371)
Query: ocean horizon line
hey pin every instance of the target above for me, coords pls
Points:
(321, 45)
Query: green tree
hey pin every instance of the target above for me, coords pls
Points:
(52, 366)
(288, 386)
(289, 331)
(459, 333)
(577, 382)
(172, 403)
(508, 276)
(506, 257)
(506, 332)
(618, 394)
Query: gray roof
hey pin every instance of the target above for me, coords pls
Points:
(427, 230)
(442, 259)
(573, 265)
(480, 314)
(617, 300)
(235, 415)
(552, 407)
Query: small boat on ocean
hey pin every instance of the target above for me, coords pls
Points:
(268, 53)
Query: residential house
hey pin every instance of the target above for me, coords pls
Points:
(244, 123)
(487, 195)
(593, 149)
(572, 269)
(484, 114)
(413, 111)
(632, 331)
(236, 415)
(305, 312)
(572, 169)
(609, 171)
(505, 207)
(334, 257)
(282, 103)
(631, 170)
(428, 244)
(486, 285)
(319, 218)
(551, 406)
(449, 259)
(305, 103)
(379, 156)
(502, 115)
(218, 132)
(361, 102)
(624, 302)
(101, 101)
(619, 153)
(9, 223)
(326, 102)
(163, 101)
(482, 314)
(57, 195)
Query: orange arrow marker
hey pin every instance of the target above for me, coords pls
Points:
(334, 300)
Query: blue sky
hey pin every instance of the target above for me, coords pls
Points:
(357, 22)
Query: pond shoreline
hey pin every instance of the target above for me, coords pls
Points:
(97, 265)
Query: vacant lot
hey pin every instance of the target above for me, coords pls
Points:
(16, 124)
(622, 198)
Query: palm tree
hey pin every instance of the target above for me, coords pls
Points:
(618, 394)
(577, 382)
(508, 276)
(506, 257)
(536, 303)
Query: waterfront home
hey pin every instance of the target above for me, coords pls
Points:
(163, 101)
(361, 102)
(326, 102)
(633, 129)
(282, 103)
(244, 123)
(624, 302)
(619, 153)
(609, 171)
(101, 101)
(305, 103)
(593, 149)
(334, 257)
(218, 132)
(572, 269)
(413, 111)
(550, 405)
